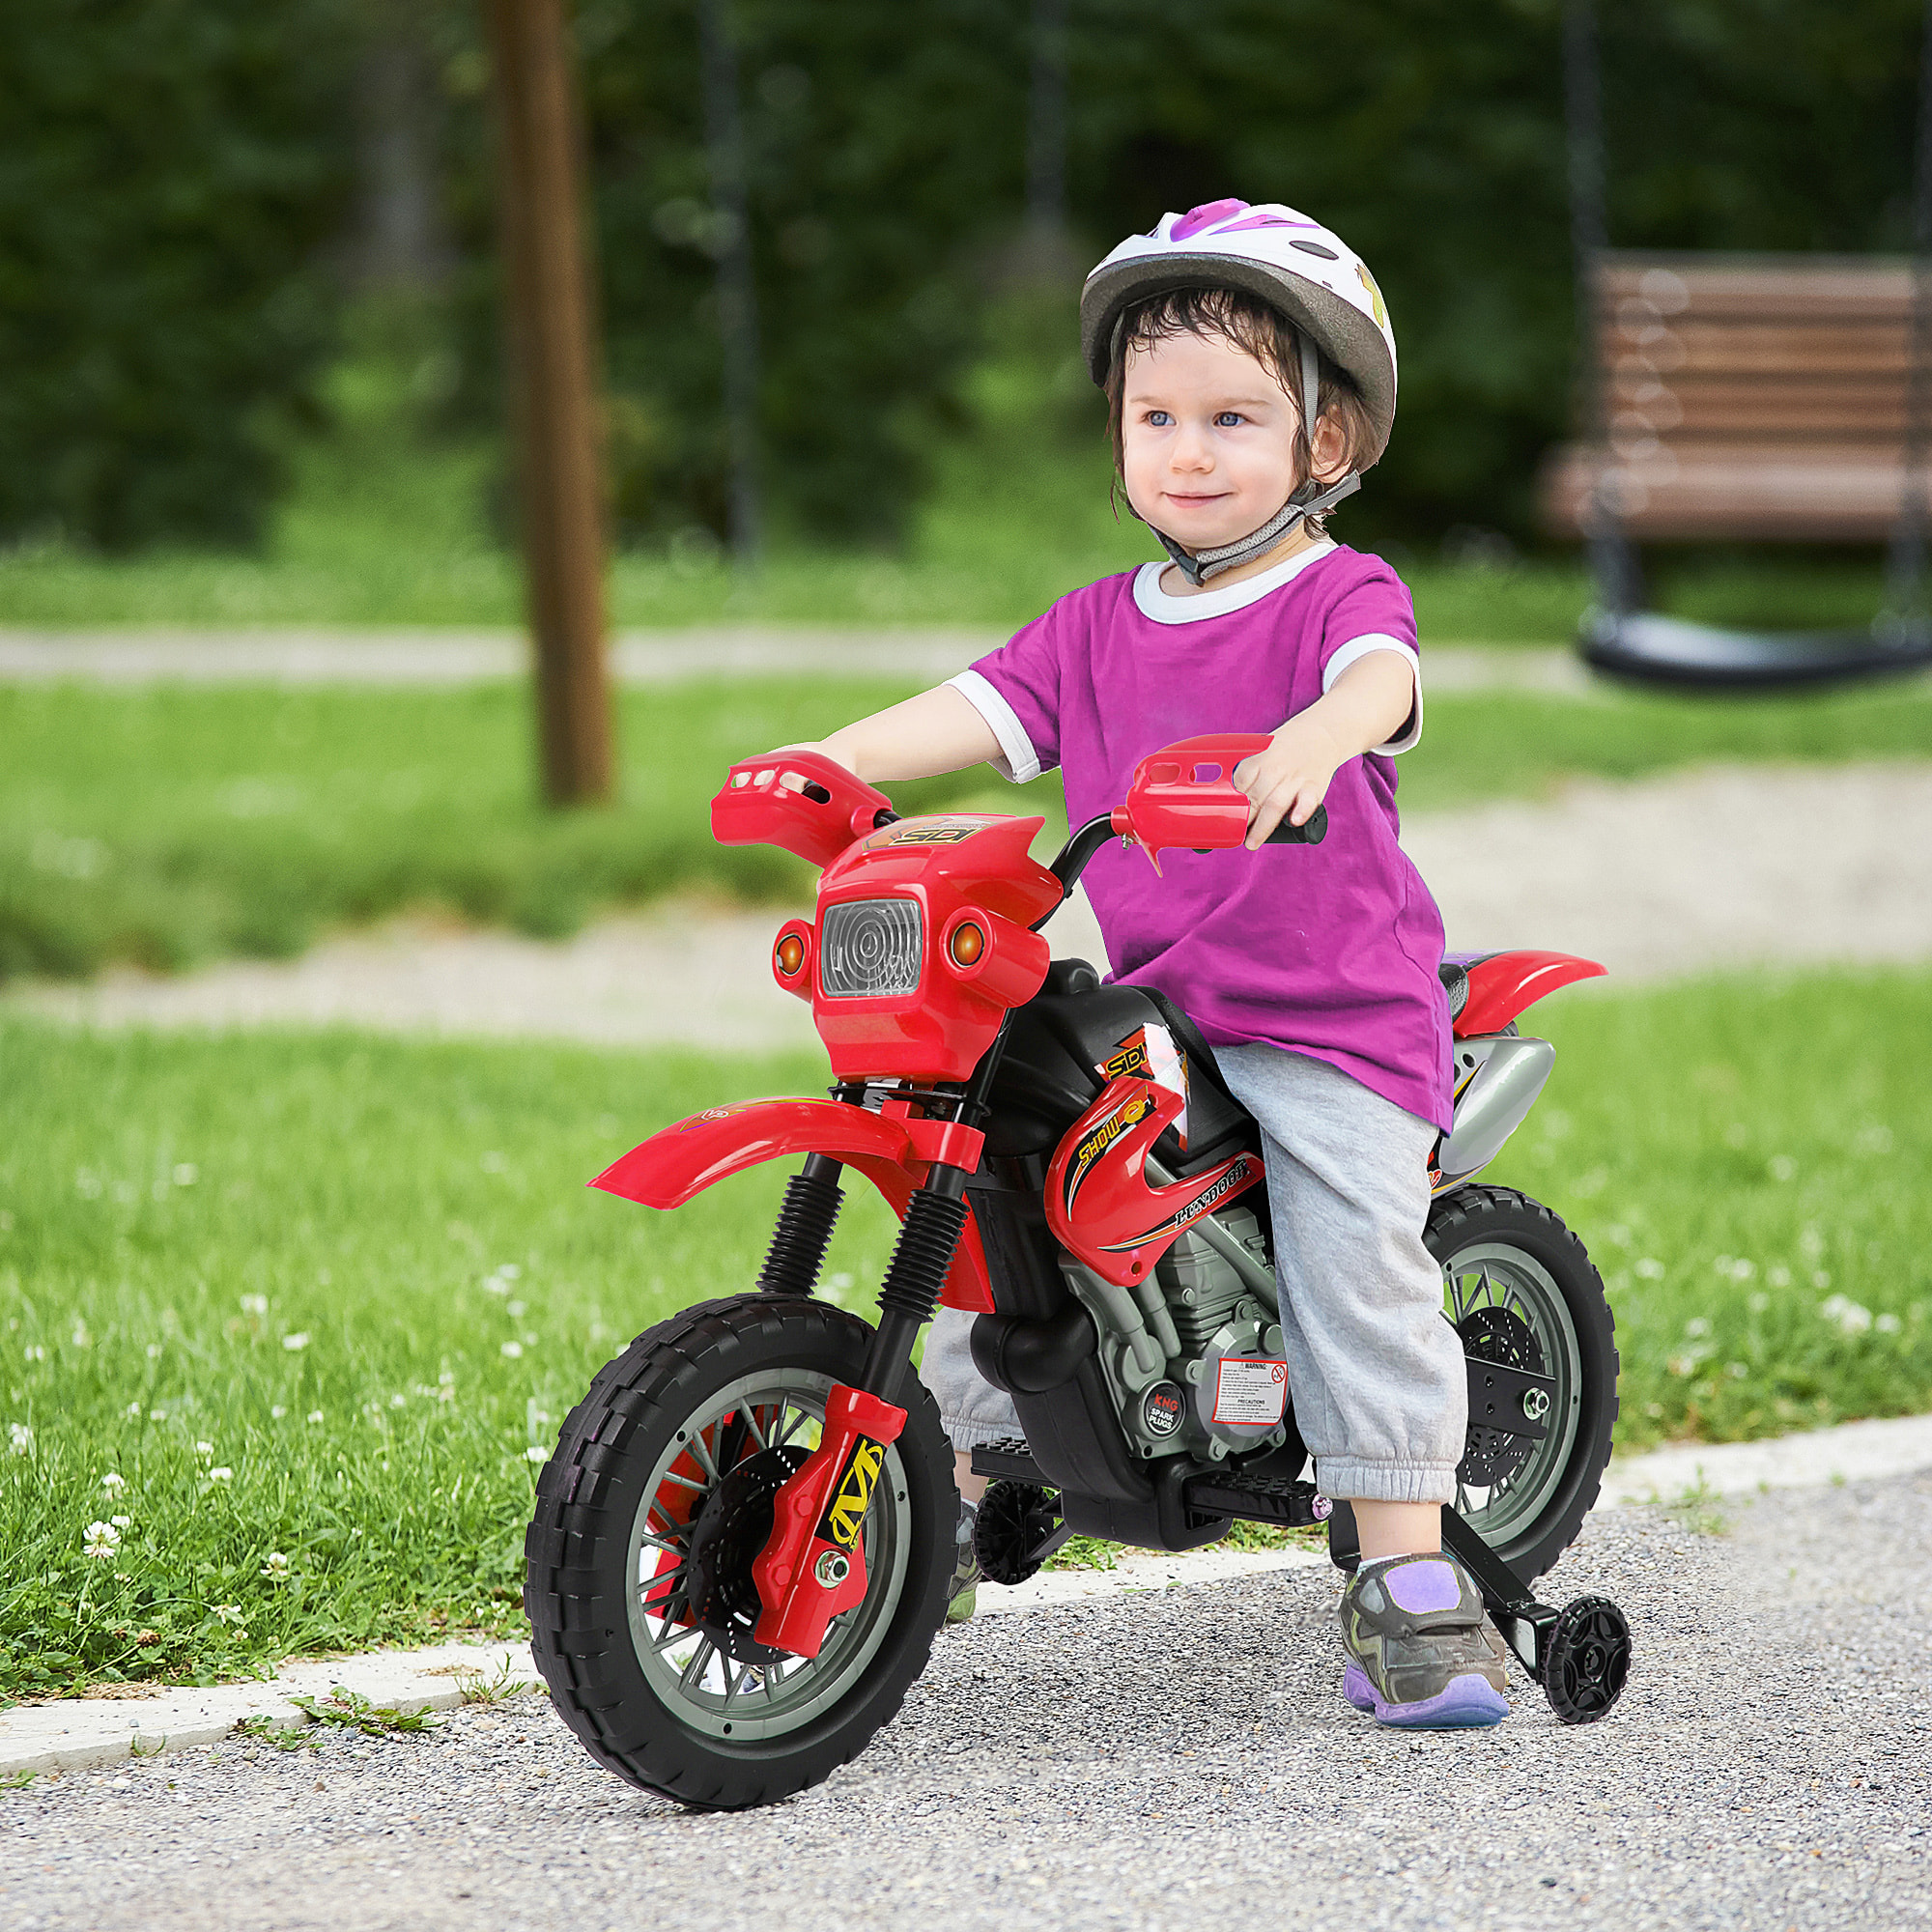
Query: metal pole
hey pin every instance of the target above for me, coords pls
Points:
(737, 294)
(1612, 563)
(1046, 123)
(1906, 564)
(553, 385)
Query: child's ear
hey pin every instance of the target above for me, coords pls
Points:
(1330, 449)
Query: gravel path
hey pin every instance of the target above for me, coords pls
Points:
(1176, 1760)
(1715, 867)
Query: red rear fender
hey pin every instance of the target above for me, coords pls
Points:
(1504, 984)
(893, 1152)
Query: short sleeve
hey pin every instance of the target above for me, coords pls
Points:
(1016, 690)
(1378, 615)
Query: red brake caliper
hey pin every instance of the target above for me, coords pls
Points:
(814, 1564)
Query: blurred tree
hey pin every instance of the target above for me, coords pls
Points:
(171, 172)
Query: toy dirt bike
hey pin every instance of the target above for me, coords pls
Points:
(743, 1542)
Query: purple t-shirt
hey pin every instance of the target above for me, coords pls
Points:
(1330, 949)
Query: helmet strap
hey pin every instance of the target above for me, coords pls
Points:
(1198, 566)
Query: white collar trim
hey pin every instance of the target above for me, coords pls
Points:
(1152, 601)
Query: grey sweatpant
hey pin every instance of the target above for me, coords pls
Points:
(1380, 1393)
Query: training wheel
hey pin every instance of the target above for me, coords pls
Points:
(1011, 1537)
(1586, 1660)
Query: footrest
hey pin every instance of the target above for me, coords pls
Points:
(1008, 1460)
(1285, 1501)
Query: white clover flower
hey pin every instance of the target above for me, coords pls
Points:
(512, 1350)
(228, 1613)
(515, 1310)
(535, 1455)
(276, 1412)
(1778, 1277)
(447, 1379)
(132, 1411)
(315, 1415)
(399, 1401)
(35, 1352)
(295, 1344)
(276, 1567)
(157, 1415)
(1887, 1324)
(101, 1541)
(1696, 1325)
(222, 1474)
(204, 1450)
(1782, 1167)
(154, 1351)
(254, 1304)
(1851, 1318)
(185, 1173)
(122, 1521)
(20, 1438)
(113, 1482)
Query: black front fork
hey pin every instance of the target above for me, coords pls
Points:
(935, 1216)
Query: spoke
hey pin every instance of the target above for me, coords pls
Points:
(661, 1577)
(701, 1449)
(682, 1633)
(692, 1677)
(689, 1482)
(798, 1421)
(670, 1549)
(733, 1685)
(751, 1416)
(1461, 1307)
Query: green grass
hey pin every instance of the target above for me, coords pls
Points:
(173, 824)
(1744, 1157)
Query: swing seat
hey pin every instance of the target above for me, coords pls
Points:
(1745, 398)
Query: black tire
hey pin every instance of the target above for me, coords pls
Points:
(1533, 1516)
(600, 1510)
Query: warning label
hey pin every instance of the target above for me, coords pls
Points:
(1250, 1391)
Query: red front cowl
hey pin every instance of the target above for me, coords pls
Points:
(957, 868)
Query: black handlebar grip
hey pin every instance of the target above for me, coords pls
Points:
(1311, 833)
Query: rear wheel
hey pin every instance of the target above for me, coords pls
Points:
(649, 1516)
(1519, 1290)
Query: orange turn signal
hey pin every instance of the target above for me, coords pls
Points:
(790, 954)
(967, 944)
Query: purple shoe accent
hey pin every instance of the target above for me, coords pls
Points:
(1420, 1587)
(1204, 216)
(1469, 1703)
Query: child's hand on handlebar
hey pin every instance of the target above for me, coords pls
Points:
(1289, 778)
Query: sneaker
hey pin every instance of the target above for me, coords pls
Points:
(963, 1599)
(1421, 1653)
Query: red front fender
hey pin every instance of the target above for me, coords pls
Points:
(684, 1159)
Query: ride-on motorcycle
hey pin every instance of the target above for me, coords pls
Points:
(743, 1542)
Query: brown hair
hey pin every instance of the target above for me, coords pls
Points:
(1261, 331)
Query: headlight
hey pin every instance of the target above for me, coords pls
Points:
(871, 949)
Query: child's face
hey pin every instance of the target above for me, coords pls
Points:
(1206, 440)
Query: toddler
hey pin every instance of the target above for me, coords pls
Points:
(1250, 375)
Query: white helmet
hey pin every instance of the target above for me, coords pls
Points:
(1292, 264)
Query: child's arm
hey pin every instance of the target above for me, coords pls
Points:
(937, 731)
(1366, 706)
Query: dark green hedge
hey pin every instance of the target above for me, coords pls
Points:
(169, 171)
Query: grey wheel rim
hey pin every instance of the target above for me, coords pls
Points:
(698, 1683)
(1497, 1274)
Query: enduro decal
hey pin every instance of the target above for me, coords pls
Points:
(947, 833)
(1250, 1391)
(1149, 1053)
(1243, 1168)
(1129, 1114)
(844, 1515)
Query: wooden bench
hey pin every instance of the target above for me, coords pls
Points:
(1746, 397)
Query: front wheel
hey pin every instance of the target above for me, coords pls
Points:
(648, 1519)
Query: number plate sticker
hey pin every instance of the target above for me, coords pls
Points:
(1250, 1391)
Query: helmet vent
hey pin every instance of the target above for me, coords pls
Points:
(1314, 249)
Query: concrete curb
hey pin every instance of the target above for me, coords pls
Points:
(81, 1734)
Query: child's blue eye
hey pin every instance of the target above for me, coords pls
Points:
(1228, 418)
(1158, 418)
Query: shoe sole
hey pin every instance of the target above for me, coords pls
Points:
(1469, 1703)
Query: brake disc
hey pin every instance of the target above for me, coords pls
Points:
(1492, 1456)
(730, 1529)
